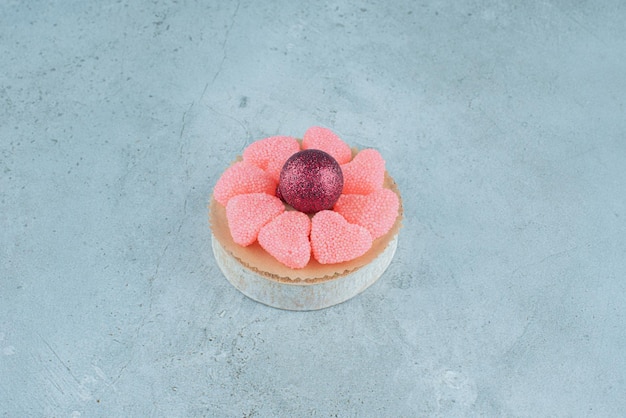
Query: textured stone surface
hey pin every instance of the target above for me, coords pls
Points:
(503, 125)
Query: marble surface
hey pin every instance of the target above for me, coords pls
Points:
(503, 123)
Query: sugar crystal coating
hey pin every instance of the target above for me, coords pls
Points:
(243, 178)
(376, 211)
(271, 153)
(334, 240)
(248, 213)
(286, 238)
(365, 173)
(326, 140)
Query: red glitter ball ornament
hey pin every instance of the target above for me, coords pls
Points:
(310, 181)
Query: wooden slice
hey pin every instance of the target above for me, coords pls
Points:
(301, 295)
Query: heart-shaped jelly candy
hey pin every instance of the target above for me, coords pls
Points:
(286, 238)
(326, 140)
(271, 153)
(243, 178)
(334, 240)
(365, 173)
(247, 213)
(376, 211)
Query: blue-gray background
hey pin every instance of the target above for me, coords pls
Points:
(503, 123)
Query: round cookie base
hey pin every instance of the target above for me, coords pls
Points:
(301, 296)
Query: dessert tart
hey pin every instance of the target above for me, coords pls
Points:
(304, 224)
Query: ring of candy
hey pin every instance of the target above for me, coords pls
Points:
(258, 210)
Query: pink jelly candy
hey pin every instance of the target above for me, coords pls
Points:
(271, 153)
(248, 213)
(334, 240)
(326, 140)
(243, 178)
(364, 174)
(286, 238)
(376, 211)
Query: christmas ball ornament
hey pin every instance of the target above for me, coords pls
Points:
(310, 181)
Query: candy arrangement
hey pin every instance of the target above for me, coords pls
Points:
(308, 199)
